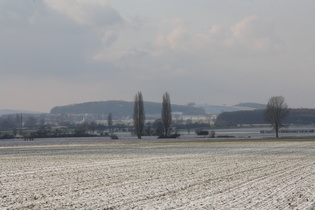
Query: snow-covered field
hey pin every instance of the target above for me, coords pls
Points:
(102, 174)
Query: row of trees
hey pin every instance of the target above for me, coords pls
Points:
(139, 115)
(12, 121)
(275, 113)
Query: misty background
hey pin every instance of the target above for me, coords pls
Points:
(56, 52)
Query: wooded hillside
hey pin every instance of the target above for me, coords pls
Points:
(296, 116)
(121, 108)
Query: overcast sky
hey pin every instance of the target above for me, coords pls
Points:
(60, 52)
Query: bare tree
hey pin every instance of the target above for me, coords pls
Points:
(110, 123)
(166, 113)
(138, 115)
(275, 112)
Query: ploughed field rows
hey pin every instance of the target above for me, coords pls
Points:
(180, 175)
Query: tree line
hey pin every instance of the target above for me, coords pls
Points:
(160, 127)
(276, 114)
(119, 109)
(252, 117)
(139, 115)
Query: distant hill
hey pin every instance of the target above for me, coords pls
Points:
(296, 116)
(121, 108)
(218, 109)
(10, 111)
(252, 105)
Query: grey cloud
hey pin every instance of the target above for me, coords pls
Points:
(180, 52)
(256, 35)
(109, 38)
(35, 40)
(92, 47)
(92, 13)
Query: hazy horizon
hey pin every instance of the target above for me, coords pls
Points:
(8, 110)
(56, 52)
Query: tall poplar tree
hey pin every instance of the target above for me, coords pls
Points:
(138, 115)
(110, 123)
(166, 113)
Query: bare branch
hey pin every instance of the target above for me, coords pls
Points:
(275, 112)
